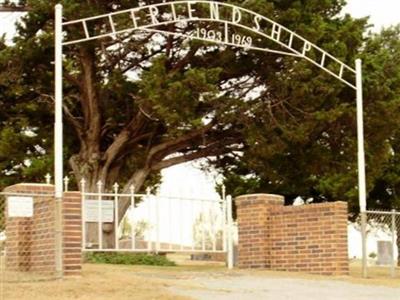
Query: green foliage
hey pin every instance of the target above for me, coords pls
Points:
(128, 259)
(315, 155)
(272, 123)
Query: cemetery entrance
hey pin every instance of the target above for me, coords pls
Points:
(213, 22)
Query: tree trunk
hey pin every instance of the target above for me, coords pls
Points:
(108, 229)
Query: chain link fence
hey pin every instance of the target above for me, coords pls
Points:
(27, 239)
(382, 243)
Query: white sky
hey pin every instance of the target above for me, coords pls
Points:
(381, 12)
(186, 180)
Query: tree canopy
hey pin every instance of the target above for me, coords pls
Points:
(143, 102)
(13, 6)
(317, 158)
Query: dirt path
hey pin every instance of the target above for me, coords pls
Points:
(221, 284)
(256, 287)
(105, 282)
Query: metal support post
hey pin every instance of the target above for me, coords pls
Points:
(116, 216)
(58, 125)
(229, 233)
(100, 214)
(393, 227)
(360, 139)
(83, 212)
(361, 164)
(132, 217)
(58, 140)
(224, 220)
(364, 243)
(157, 208)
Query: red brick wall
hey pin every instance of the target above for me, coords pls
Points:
(30, 241)
(310, 238)
(18, 246)
(30, 244)
(72, 234)
(253, 212)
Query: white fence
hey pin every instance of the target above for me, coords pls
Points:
(130, 222)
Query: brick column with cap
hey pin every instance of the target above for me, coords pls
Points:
(72, 234)
(308, 238)
(30, 244)
(254, 220)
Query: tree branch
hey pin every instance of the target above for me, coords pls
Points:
(206, 152)
(131, 130)
(181, 140)
(13, 8)
(74, 122)
(72, 79)
(90, 100)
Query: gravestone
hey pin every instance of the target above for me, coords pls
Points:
(385, 253)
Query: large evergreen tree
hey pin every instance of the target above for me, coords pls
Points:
(141, 103)
(318, 158)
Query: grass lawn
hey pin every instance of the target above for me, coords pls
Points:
(376, 275)
(98, 282)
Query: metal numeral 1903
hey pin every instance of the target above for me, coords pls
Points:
(214, 35)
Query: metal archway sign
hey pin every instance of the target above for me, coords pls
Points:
(229, 19)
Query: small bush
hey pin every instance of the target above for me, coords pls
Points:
(128, 259)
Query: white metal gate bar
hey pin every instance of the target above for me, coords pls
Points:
(156, 223)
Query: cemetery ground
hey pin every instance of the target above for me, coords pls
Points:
(205, 281)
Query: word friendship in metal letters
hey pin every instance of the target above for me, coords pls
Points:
(218, 22)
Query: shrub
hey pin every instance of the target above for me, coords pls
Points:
(128, 259)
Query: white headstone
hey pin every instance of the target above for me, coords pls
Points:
(385, 253)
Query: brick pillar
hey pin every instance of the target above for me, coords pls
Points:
(309, 238)
(18, 246)
(72, 234)
(30, 244)
(30, 240)
(253, 215)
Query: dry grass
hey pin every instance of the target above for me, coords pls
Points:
(99, 282)
(376, 276)
(109, 282)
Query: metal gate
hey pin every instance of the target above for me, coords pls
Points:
(129, 222)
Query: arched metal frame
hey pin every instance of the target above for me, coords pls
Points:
(261, 26)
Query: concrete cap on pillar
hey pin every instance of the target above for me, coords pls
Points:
(266, 199)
